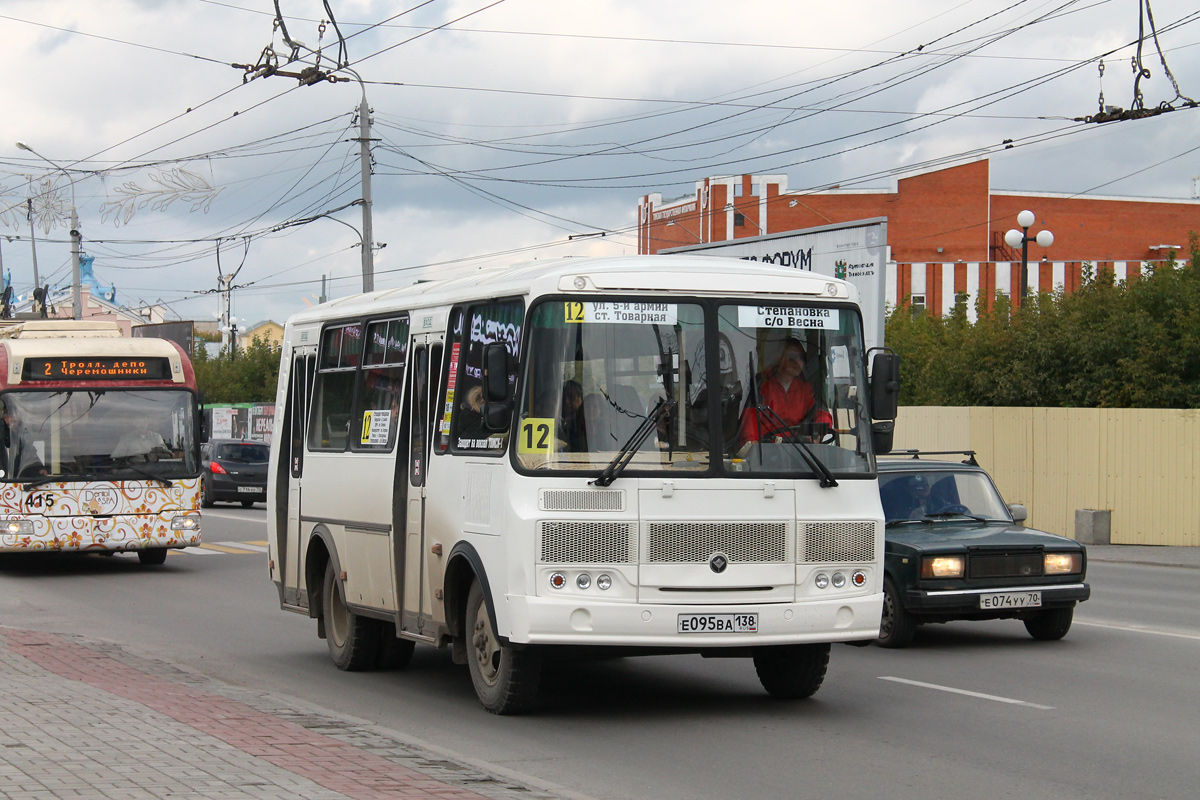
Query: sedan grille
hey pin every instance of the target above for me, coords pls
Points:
(1005, 565)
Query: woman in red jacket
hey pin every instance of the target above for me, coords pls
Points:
(785, 391)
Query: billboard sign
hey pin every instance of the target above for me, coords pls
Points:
(854, 251)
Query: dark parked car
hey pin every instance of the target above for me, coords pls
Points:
(233, 470)
(955, 551)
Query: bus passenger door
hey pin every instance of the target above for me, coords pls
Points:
(290, 556)
(425, 351)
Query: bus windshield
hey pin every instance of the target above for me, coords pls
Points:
(107, 434)
(747, 389)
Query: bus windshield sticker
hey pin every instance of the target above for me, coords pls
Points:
(375, 427)
(537, 436)
(788, 317)
(622, 313)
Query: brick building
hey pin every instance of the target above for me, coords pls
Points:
(945, 229)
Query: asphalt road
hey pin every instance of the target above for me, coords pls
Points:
(971, 709)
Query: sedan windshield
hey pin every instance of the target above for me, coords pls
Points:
(936, 495)
(115, 434)
(694, 387)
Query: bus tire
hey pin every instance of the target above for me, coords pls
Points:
(897, 627)
(153, 556)
(792, 671)
(353, 639)
(394, 652)
(1048, 626)
(505, 678)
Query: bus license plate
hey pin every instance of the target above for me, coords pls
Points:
(1011, 600)
(718, 623)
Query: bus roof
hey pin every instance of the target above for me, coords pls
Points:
(60, 329)
(674, 274)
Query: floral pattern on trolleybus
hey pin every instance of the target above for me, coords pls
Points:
(99, 516)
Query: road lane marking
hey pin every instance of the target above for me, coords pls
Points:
(952, 690)
(1112, 626)
(257, 547)
(236, 548)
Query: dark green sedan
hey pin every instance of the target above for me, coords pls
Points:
(955, 551)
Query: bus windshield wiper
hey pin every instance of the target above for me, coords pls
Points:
(42, 481)
(625, 454)
(816, 464)
(148, 474)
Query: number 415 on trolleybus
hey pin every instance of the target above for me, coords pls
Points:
(583, 457)
(99, 441)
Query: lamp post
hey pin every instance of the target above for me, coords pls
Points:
(76, 293)
(231, 329)
(1021, 237)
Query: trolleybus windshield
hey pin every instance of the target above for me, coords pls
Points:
(106, 434)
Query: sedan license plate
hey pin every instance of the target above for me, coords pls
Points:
(251, 489)
(718, 623)
(1001, 600)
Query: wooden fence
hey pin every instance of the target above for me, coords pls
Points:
(1143, 465)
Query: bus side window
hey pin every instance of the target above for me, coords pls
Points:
(497, 322)
(451, 394)
(333, 397)
(377, 416)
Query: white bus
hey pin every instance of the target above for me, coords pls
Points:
(553, 459)
(99, 440)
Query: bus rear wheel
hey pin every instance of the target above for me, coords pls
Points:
(793, 671)
(353, 639)
(154, 556)
(505, 678)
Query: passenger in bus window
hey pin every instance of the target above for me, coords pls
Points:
(784, 390)
(470, 415)
(571, 425)
(23, 457)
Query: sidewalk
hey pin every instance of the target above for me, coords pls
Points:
(1145, 554)
(85, 720)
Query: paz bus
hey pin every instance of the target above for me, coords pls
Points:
(550, 460)
(99, 440)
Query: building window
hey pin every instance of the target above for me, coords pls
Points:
(917, 302)
(739, 219)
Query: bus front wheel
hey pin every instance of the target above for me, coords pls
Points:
(153, 556)
(353, 639)
(505, 678)
(792, 671)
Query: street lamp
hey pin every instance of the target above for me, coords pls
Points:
(232, 330)
(1021, 237)
(76, 294)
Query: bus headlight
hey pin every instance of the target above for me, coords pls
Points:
(1061, 563)
(603, 582)
(821, 581)
(187, 523)
(18, 527)
(942, 566)
(583, 581)
(839, 580)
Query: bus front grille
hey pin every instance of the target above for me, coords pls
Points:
(581, 500)
(696, 542)
(834, 542)
(587, 542)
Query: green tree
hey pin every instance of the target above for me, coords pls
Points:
(247, 376)
(1133, 344)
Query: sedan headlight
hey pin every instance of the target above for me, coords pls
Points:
(943, 566)
(1062, 563)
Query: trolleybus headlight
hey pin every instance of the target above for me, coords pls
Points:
(859, 577)
(185, 523)
(16, 527)
(822, 580)
(839, 580)
(942, 566)
(1061, 563)
(603, 582)
(557, 580)
(583, 581)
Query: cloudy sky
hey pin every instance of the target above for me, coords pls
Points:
(503, 128)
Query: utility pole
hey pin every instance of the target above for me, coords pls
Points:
(364, 157)
(76, 291)
(225, 281)
(33, 245)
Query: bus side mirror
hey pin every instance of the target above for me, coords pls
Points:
(885, 400)
(497, 412)
(205, 416)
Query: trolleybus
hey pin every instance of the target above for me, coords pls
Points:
(99, 441)
(553, 459)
